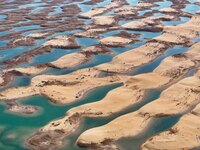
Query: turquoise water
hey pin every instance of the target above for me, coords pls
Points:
(191, 8)
(23, 126)
(14, 129)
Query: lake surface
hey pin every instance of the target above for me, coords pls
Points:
(14, 128)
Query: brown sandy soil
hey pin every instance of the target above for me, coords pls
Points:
(175, 100)
(62, 41)
(107, 20)
(77, 84)
(184, 135)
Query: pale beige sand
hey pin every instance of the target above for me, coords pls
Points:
(96, 49)
(184, 135)
(145, 5)
(141, 24)
(168, 10)
(176, 99)
(38, 35)
(93, 12)
(69, 60)
(126, 10)
(126, 61)
(62, 41)
(1, 79)
(182, 33)
(115, 41)
(101, 10)
(91, 32)
(30, 70)
(62, 89)
(104, 20)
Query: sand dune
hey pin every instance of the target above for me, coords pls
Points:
(175, 100)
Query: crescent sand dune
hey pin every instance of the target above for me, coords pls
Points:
(70, 60)
(132, 92)
(176, 99)
(62, 89)
(180, 34)
(184, 135)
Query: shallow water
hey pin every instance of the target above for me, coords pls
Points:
(14, 129)
(28, 124)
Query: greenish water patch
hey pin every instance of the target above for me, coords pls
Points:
(25, 125)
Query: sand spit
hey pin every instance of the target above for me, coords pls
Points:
(177, 99)
(62, 89)
(62, 41)
(116, 100)
(184, 135)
